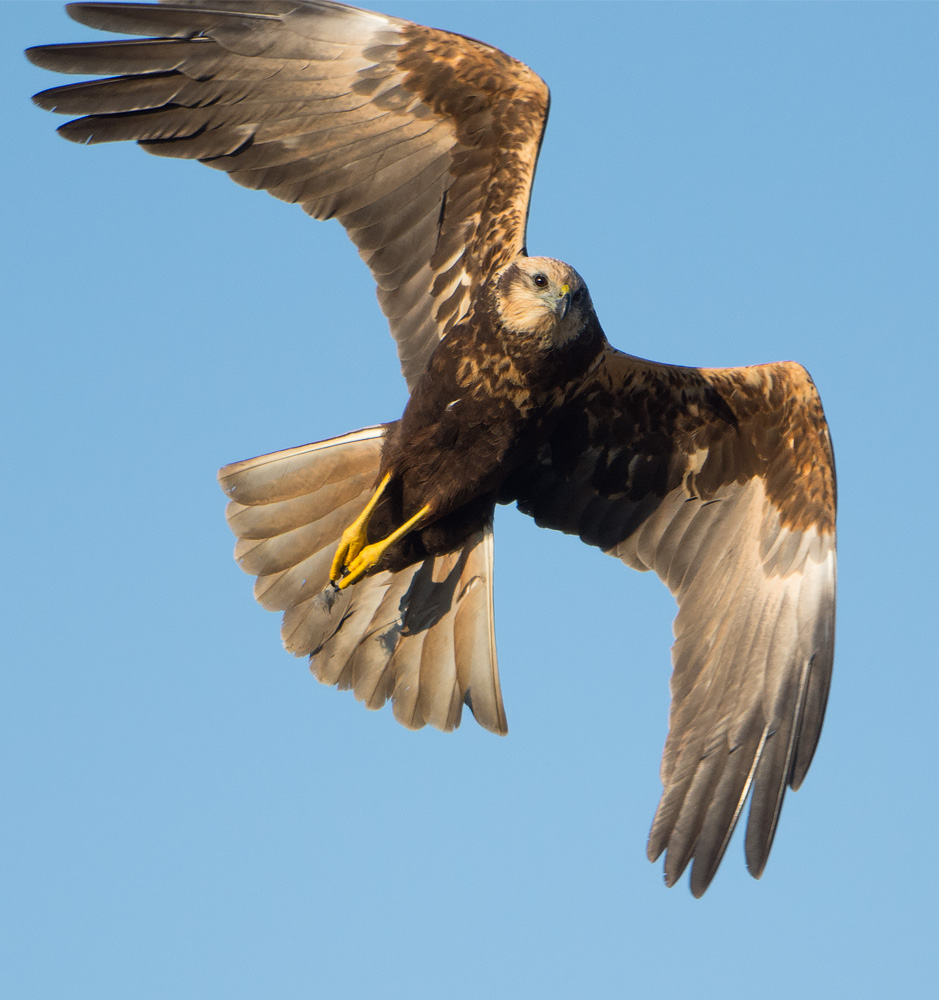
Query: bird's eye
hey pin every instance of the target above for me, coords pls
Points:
(579, 294)
(539, 281)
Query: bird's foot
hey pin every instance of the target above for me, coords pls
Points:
(351, 545)
(354, 539)
(367, 557)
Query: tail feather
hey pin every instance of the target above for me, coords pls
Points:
(422, 636)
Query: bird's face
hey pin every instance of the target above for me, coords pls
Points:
(543, 297)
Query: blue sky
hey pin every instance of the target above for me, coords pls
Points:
(189, 814)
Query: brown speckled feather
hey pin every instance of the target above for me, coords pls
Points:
(421, 143)
(722, 482)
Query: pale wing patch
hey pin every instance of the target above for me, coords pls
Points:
(752, 659)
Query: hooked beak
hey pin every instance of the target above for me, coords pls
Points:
(563, 304)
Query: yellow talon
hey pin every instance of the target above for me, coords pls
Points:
(354, 538)
(354, 557)
(370, 555)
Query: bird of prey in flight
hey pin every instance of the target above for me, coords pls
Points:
(377, 545)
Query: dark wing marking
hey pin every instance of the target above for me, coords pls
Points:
(421, 143)
(722, 481)
(422, 636)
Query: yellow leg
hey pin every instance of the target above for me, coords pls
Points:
(354, 537)
(370, 555)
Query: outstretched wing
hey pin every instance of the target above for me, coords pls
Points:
(722, 481)
(420, 142)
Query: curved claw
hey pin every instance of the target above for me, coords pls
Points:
(355, 537)
(351, 544)
(360, 564)
(369, 556)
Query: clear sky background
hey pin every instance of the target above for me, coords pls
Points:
(188, 814)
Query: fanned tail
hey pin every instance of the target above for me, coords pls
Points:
(422, 636)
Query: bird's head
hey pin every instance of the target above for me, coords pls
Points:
(543, 297)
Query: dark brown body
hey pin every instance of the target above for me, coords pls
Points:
(489, 398)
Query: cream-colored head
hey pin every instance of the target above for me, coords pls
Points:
(543, 297)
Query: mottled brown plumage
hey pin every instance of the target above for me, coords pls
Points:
(421, 143)
(378, 545)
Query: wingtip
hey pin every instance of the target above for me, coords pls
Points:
(94, 15)
(756, 870)
(74, 10)
(757, 856)
(698, 890)
(38, 55)
(699, 880)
